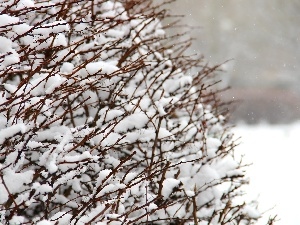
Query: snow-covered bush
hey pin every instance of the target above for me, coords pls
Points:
(104, 121)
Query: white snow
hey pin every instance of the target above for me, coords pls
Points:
(60, 40)
(274, 175)
(14, 182)
(103, 175)
(113, 114)
(17, 220)
(212, 146)
(79, 157)
(168, 185)
(67, 67)
(11, 131)
(104, 67)
(136, 120)
(44, 222)
(25, 4)
(44, 188)
(163, 132)
(10, 54)
(6, 19)
(53, 82)
(5, 44)
(129, 177)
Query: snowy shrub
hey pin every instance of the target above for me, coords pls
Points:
(104, 121)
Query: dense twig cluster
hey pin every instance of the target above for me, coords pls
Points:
(104, 121)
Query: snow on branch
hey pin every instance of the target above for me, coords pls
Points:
(103, 120)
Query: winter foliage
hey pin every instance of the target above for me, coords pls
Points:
(103, 120)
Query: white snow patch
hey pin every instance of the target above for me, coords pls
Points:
(104, 67)
(11, 131)
(113, 114)
(9, 55)
(274, 152)
(7, 20)
(129, 177)
(17, 220)
(53, 82)
(67, 68)
(25, 4)
(163, 133)
(14, 182)
(103, 175)
(137, 120)
(168, 185)
(44, 222)
(212, 146)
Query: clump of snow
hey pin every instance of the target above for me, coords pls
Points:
(67, 67)
(168, 185)
(7, 20)
(25, 4)
(15, 182)
(53, 82)
(137, 120)
(101, 67)
(213, 145)
(44, 222)
(17, 220)
(11, 131)
(9, 55)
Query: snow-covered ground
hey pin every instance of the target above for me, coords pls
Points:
(275, 173)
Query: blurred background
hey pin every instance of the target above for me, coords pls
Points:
(262, 41)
